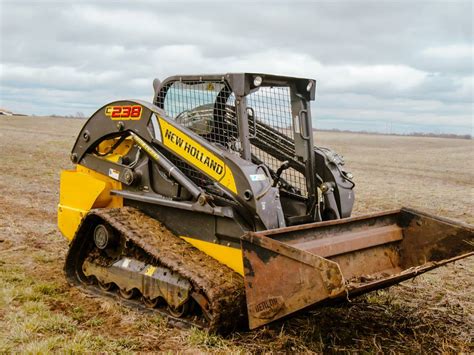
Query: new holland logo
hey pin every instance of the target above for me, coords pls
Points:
(197, 155)
(194, 151)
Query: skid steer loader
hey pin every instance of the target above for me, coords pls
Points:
(213, 205)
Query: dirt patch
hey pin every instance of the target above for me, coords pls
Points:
(39, 312)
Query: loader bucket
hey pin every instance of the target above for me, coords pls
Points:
(288, 269)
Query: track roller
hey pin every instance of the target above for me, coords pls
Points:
(180, 311)
(128, 295)
(105, 286)
(151, 303)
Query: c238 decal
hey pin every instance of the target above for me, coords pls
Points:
(124, 112)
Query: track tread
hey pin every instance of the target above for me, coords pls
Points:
(223, 287)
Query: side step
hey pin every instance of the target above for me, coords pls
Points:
(291, 268)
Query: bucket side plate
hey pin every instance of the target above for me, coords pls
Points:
(280, 279)
(291, 268)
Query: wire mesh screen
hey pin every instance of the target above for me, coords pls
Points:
(205, 107)
(274, 136)
(272, 106)
(208, 109)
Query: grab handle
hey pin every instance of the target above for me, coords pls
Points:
(254, 135)
(303, 125)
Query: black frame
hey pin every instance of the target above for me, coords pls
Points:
(242, 85)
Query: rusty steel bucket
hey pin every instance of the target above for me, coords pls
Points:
(292, 268)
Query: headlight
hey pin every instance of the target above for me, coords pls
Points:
(257, 81)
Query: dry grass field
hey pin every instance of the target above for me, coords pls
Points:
(39, 312)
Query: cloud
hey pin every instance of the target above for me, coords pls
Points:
(379, 62)
(57, 77)
(452, 52)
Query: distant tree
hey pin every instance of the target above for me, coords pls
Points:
(80, 114)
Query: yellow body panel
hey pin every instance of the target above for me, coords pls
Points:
(232, 257)
(198, 156)
(106, 145)
(81, 190)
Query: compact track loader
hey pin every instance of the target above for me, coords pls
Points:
(212, 205)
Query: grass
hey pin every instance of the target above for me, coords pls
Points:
(419, 316)
(33, 326)
(40, 313)
(205, 341)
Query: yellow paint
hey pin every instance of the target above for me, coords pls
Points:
(150, 271)
(144, 145)
(118, 152)
(80, 190)
(198, 156)
(232, 257)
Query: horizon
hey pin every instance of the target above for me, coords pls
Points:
(319, 126)
(372, 74)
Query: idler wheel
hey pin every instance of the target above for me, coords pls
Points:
(104, 236)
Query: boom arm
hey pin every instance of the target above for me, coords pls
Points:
(247, 185)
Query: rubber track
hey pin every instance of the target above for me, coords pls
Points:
(223, 287)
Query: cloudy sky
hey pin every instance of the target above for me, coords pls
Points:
(388, 66)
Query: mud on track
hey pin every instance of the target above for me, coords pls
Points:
(39, 312)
